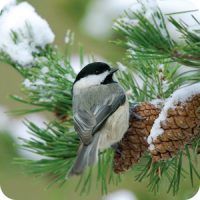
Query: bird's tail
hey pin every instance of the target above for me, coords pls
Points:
(87, 156)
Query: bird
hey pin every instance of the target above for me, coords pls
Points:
(100, 113)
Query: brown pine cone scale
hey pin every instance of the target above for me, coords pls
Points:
(134, 144)
(181, 126)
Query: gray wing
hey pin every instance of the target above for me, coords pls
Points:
(94, 107)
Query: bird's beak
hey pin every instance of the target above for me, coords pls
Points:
(113, 70)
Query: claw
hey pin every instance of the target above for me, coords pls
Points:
(136, 116)
(133, 114)
(116, 148)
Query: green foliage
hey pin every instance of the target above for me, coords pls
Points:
(104, 174)
(4, 58)
(57, 144)
(147, 41)
(154, 80)
(48, 83)
(172, 169)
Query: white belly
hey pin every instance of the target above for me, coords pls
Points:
(115, 127)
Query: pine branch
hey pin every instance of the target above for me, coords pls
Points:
(57, 144)
(48, 83)
(148, 80)
(146, 41)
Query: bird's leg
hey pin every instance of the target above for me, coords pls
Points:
(133, 114)
(116, 148)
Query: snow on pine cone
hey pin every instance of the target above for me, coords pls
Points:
(134, 142)
(162, 131)
(181, 126)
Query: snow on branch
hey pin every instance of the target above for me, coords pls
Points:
(5, 4)
(184, 12)
(23, 32)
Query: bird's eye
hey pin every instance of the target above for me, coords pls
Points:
(97, 71)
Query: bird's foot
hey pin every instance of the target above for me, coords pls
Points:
(116, 148)
(134, 115)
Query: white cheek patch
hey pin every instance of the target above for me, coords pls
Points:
(90, 80)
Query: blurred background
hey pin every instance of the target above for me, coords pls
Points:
(91, 20)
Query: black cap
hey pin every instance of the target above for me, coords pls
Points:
(92, 69)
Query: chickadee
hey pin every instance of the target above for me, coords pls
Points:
(101, 113)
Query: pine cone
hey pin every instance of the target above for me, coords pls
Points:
(181, 126)
(134, 142)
